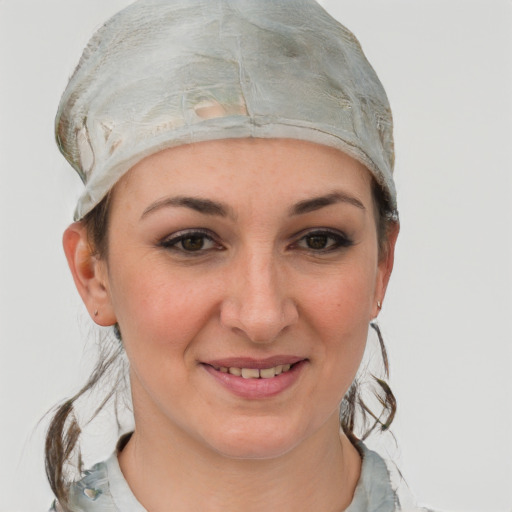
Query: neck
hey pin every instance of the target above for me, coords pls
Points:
(168, 471)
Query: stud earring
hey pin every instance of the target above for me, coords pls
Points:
(379, 304)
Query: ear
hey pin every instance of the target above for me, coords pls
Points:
(89, 273)
(385, 267)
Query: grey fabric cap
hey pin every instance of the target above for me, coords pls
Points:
(162, 73)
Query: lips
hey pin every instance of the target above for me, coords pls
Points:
(247, 362)
(255, 373)
(252, 378)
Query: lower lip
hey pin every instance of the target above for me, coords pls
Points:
(257, 388)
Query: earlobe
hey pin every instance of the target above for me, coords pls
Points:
(385, 268)
(89, 273)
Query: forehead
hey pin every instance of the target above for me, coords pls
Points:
(245, 170)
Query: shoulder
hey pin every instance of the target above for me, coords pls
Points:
(91, 493)
(381, 487)
(102, 489)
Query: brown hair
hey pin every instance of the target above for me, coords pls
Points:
(62, 439)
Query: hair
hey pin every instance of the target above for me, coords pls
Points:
(357, 419)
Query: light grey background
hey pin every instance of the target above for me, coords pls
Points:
(446, 65)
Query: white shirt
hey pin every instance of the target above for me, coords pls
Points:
(104, 489)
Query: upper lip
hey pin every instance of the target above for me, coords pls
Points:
(249, 362)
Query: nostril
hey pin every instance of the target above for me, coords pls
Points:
(260, 323)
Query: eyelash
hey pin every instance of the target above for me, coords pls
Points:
(181, 236)
(338, 241)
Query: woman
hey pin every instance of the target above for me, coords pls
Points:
(237, 230)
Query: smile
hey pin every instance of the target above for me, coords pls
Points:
(255, 373)
(257, 379)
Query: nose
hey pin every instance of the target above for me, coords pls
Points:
(258, 302)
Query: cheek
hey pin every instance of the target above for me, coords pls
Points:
(338, 310)
(342, 301)
(159, 307)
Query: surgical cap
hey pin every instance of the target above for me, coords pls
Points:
(162, 73)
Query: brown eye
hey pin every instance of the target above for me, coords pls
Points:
(193, 243)
(317, 242)
(323, 241)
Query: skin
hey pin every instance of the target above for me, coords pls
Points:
(276, 274)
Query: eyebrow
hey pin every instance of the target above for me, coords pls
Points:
(209, 207)
(315, 203)
(204, 206)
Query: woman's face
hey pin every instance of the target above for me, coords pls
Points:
(243, 275)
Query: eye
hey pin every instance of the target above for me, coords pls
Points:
(195, 241)
(323, 241)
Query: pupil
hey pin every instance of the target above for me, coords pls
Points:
(193, 243)
(317, 242)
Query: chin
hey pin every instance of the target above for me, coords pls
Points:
(260, 440)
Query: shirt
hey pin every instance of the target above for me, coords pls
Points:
(380, 489)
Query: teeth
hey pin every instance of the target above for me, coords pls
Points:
(267, 373)
(254, 373)
(250, 373)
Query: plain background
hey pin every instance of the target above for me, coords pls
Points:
(446, 65)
